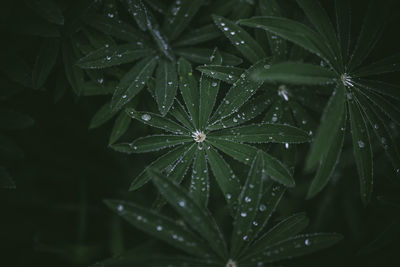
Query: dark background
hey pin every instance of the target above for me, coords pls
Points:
(55, 216)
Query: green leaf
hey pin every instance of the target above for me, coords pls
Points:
(329, 160)
(48, 10)
(97, 88)
(121, 125)
(227, 74)
(179, 16)
(45, 61)
(189, 90)
(138, 11)
(12, 120)
(198, 218)
(387, 89)
(293, 247)
(198, 36)
(293, 31)
(6, 182)
(133, 82)
(166, 85)
(101, 116)
(385, 65)
(116, 28)
(254, 107)
(362, 150)
(249, 48)
(244, 153)
(157, 121)
(157, 142)
(159, 226)
(203, 55)
(113, 56)
(238, 94)
(249, 200)
(264, 133)
(200, 181)
(208, 94)
(165, 162)
(343, 21)
(319, 18)
(226, 179)
(285, 229)
(180, 114)
(330, 122)
(294, 73)
(74, 74)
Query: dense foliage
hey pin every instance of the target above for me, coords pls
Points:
(199, 133)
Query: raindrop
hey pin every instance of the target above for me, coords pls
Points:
(182, 203)
(233, 33)
(247, 199)
(307, 242)
(361, 144)
(146, 117)
(213, 84)
(124, 96)
(108, 58)
(159, 228)
(243, 214)
(120, 208)
(262, 207)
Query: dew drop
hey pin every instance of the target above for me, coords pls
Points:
(146, 117)
(120, 208)
(243, 214)
(360, 144)
(159, 228)
(307, 242)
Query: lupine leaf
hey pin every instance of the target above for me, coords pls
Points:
(249, 48)
(294, 73)
(238, 94)
(200, 181)
(189, 89)
(343, 22)
(202, 56)
(264, 133)
(179, 16)
(292, 31)
(285, 229)
(12, 120)
(165, 161)
(137, 10)
(101, 116)
(198, 36)
(386, 65)
(157, 142)
(253, 108)
(159, 226)
(198, 218)
(166, 86)
(208, 93)
(157, 121)
(45, 61)
(293, 247)
(121, 125)
(249, 200)
(180, 114)
(48, 10)
(330, 122)
(92, 88)
(227, 74)
(329, 160)
(133, 82)
(244, 153)
(362, 150)
(112, 56)
(118, 29)
(226, 179)
(380, 87)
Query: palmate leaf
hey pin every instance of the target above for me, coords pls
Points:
(198, 36)
(157, 121)
(192, 213)
(294, 73)
(159, 226)
(112, 56)
(200, 182)
(162, 163)
(228, 74)
(264, 133)
(244, 153)
(330, 122)
(133, 82)
(238, 94)
(362, 150)
(45, 61)
(249, 200)
(157, 142)
(329, 160)
(292, 247)
(189, 89)
(293, 31)
(180, 14)
(226, 179)
(180, 114)
(166, 85)
(249, 48)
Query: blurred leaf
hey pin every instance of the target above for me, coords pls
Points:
(12, 120)
(121, 125)
(45, 61)
(6, 182)
(48, 10)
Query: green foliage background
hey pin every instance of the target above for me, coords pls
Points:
(56, 215)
